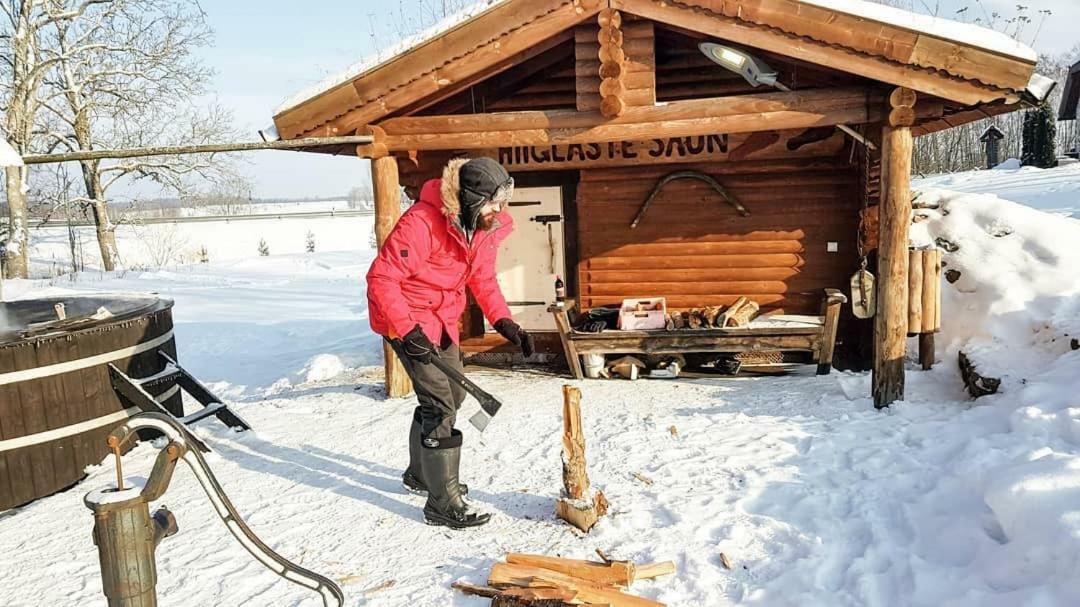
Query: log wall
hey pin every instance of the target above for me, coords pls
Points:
(696, 250)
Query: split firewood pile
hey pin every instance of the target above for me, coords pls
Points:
(739, 314)
(527, 580)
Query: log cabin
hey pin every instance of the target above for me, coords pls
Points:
(798, 167)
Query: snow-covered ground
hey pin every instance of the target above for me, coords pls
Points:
(166, 244)
(815, 497)
(1052, 190)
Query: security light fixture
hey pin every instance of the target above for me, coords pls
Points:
(756, 72)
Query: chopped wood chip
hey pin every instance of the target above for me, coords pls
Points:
(674, 431)
(380, 587)
(604, 556)
(641, 477)
(725, 561)
(467, 588)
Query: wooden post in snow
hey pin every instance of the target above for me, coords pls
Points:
(387, 189)
(891, 322)
(578, 506)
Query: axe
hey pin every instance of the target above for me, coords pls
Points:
(489, 405)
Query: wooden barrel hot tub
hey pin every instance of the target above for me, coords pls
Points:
(56, 401)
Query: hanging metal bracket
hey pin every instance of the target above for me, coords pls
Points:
(698, 175)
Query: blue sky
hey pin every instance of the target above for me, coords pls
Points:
(266, 50)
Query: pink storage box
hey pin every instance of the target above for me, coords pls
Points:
(643, 314)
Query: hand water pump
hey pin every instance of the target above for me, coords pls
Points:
(127, 535)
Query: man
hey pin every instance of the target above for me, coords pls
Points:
(416, 293)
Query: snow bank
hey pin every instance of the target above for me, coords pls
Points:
(1013, 305)
(1053, 190)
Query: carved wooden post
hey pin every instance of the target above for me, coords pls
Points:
(387, 189)
(890, 325)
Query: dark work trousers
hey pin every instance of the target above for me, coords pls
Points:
(439, 397)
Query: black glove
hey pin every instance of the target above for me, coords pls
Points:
(417, 345)
(516, 335)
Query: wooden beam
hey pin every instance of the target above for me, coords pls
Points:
(387, 191)
(955, 119)
(440, 64)
(890, 324)
(704, 16)
(743, 114)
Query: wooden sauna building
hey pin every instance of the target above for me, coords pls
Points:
(647, 164)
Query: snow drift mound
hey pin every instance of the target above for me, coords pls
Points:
(1012, 303)
(1012, 300)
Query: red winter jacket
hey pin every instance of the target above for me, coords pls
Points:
(420, 275)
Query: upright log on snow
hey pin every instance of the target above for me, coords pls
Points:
(387, 189)
(578, 506)
(890, 325)
(931, 306)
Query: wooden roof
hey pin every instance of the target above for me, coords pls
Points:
(515, 31)
(1070, 98)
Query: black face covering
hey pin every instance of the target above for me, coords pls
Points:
(482, 179)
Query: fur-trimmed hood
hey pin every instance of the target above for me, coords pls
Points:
(450, 189)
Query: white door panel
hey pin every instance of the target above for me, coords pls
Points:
(533, 255)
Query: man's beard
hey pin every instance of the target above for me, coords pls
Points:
(486, 222)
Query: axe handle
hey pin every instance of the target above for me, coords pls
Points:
(488, 403)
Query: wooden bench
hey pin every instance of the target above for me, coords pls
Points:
(770, 333)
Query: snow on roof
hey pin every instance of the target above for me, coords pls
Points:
(383, 55)
(966, 33)
(8, 156)
(991, 130)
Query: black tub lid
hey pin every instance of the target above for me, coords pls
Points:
(27, 319)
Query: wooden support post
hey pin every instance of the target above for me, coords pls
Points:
(890, 325)
(578, 505)
(387, 189)
(926, 351)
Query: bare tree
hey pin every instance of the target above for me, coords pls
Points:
(23, 67)
(122, 78)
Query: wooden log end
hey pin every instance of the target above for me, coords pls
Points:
(612, 107)
(611, 69)
(610, 18)
(583, 514)
(903, 98)
(901, 117)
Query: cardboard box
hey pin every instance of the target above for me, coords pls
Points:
(643, 314)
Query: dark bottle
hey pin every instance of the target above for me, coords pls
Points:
(560, 290)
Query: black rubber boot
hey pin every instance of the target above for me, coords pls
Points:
(445, 506)
(413, 479)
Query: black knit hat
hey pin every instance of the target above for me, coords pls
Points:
(480, 179)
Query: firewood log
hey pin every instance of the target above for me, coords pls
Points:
(696, 319)
(742, 315)
(615, 573)
(712, 313)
